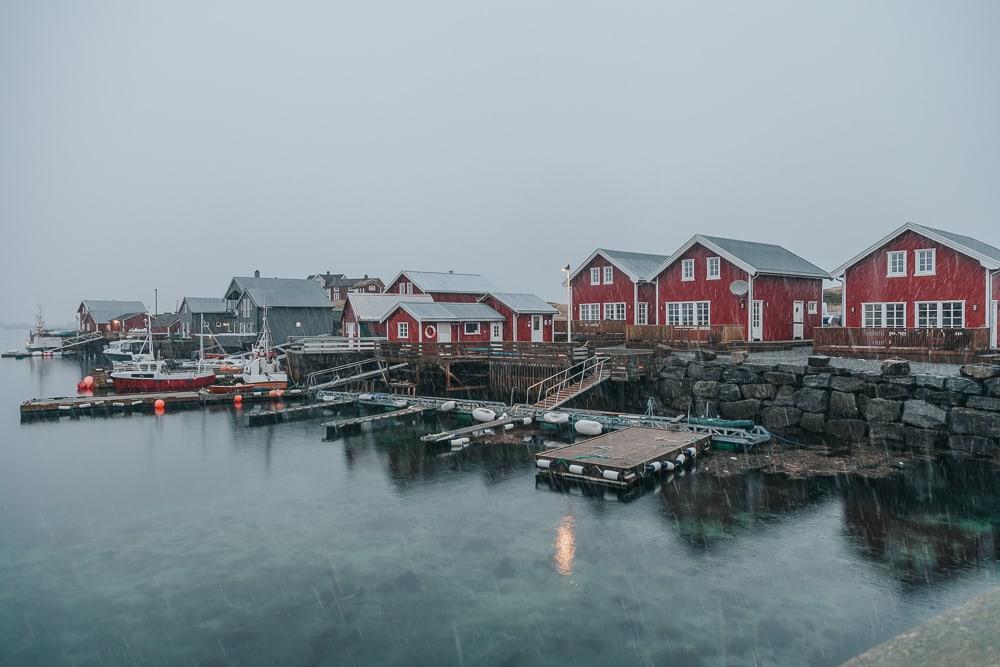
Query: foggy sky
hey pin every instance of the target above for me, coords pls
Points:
(175, 144)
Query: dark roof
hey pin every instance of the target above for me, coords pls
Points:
(281, 292)
(340, 280)
(448, 281)
(205, 304)
(768, 257)
(105, 311)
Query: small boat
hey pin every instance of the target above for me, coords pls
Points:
(128, 349)
(42, 341)
(262, 370)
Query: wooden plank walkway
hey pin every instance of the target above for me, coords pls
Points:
(297, 413)
(622, 458)
(110, 403)
(334, 427)
(470, 430)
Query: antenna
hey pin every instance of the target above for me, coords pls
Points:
(739, 287)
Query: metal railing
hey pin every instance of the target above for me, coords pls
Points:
(329, 377)
(900, 338)
(553, 384)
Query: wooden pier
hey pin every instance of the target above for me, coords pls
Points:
(475, 429)
(299, 412)
(138, 403)
(622, 458)
(336, 427)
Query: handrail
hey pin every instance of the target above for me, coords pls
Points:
(567, 375)
(312, 379)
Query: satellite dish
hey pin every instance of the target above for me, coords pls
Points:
(739, 287)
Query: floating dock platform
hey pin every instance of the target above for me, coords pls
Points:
(622, 458)
(336, 427)
(131, 403)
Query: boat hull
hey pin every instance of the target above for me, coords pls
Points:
(131, 385)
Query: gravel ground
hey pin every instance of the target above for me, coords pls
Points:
(798, 356)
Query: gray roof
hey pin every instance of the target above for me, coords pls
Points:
(281, 292)
(964, 241)
(639, 264)
(105, 311)
(767, 257)
(340, 280)
(373, 307)
(524, 303)
(463, 283)
(205, 304)
(449, 312)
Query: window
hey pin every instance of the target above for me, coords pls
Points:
(614, 311)
(245, 307)
(884, 315)
(813, 308)
(926, 262)
(642, 313)
(897, 263)
(472, 328)
(298, 325)
(713, 265)
(590, 312)
(496, 330)
(405, 288)
(402, 329)
(609, 275)
(372, 288)
(941, 314)
(595, 276)
(687, 269)
(689, 314)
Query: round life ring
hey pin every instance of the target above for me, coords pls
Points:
(430, 331)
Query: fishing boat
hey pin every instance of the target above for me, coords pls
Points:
(261, 370)
(152, 375)
(42, 341)
(127, 349)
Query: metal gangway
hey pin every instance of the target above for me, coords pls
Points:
(567, 384)
(81, 339)
(338, 376)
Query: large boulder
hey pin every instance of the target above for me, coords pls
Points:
(923, 414)
(818, 361)
(781, 418)
(746, 409)
(847, 383)
(672, 373)
(848, 430)
(740, 356)
(729, 392)
(895, 367)
(705, 389)
(980, 371)
(813, 422)
(973, 444)
(794, 369)
(948, 398)
(892, 390)
(669, 389)
(695, 371)
(739, 375)
(817, 381)
(785, 397)
(883, 434)
(843, 405)
(992, 386)
(983, 403)
(778, 378)
(965, 421)
(924, 439)
(962, 385)
(929, 381)
(704, 355)
(811, 400)
(759, 391)
(883, 410)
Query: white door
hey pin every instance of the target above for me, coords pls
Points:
(444, 332)
(642, 313)
(352, 331)
(757, 321)
(798, 320)
(496, 332)
(995, 326)
(536, 328)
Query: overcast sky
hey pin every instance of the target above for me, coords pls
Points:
(173, 144)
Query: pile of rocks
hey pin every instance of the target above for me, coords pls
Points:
(891, 408)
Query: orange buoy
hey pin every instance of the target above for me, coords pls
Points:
(160, 404)
(238, 399)
(280, 392)
(81, 386)
(89, 380)
(273, 393)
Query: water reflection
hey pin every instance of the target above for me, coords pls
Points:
(565, 546)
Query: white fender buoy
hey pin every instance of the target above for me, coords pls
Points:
(508, 427)
(327, 398)
(543, 463)
(655, 466)
(526, 421)
(483, 415)
(399, 404)
(365, 397)
(84, 406)
(447, 406)
(136, 403)
(679, 461)
(588, 427)
(117, 404)
(691, 452)
(611, 474)
(576, 469)
(668, 466)
(556, 417)
(458, 442)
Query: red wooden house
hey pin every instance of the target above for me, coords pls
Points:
(449, 286)
(923, 278)
(363, 313)
(771, 292)
(111, 317)
(527, 317)
(615, 285)
(448, 322)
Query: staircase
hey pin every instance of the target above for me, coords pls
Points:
(566, 385)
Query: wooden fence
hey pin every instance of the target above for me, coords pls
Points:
(546, 353)
(838, 339)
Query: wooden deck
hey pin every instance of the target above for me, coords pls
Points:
(335, 427)
(110, 403)
(620, 458)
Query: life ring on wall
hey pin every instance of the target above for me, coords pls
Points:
(430, 331)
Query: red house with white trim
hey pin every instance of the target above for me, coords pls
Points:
(615, 285)
(363, 313)
(447, 286)
(447, 322)
(920, 277)
(111, 317)
(774, 294)
(526, 317)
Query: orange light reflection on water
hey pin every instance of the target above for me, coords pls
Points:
(565, 546)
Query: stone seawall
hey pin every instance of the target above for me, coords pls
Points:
(892, 408)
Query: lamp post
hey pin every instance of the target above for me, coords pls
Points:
(569, 306)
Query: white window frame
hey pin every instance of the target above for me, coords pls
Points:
(690, 314)
(813, 308)
(889, 256)
(716, 264)
(916, 262)
(687, 270)
(402, 329)
(590, 312)
(595, 275)
(609, 275)
(470, 332)
(937, 313)
(880, 312)
(642, 312)
(615, 311)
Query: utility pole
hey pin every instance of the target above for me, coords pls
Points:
(156, 301)
(569, 306)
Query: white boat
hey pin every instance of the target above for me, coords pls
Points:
(147, 374)
(128, 349)
(263, 367)
(44, 341)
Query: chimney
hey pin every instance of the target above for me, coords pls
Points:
(256, 273)
(451, 270)
(366, 276)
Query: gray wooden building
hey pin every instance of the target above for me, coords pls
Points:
(295, 307)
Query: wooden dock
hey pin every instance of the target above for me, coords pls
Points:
(622, 458)
(137, 403)
(299, 412)
(475, 429)
(336, 427)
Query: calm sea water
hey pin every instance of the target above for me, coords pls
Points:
(192, 539)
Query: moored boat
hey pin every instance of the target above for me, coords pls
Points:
(153, 376)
